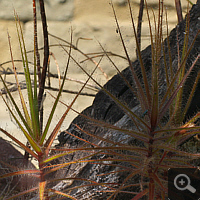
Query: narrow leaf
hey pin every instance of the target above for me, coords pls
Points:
(18, 87)
(63, 194)
(33, 143)
(22, 172)
(140, 195)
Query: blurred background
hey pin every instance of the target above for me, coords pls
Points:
(91, 22)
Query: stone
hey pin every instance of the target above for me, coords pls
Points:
(57, 10)
(120, 2)
(184, 3)
(10, 160)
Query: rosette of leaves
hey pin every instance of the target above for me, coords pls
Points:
(141, 119)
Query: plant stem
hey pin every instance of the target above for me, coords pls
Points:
(139, 25)
(179, 10)
(45, 61)
(36, 42)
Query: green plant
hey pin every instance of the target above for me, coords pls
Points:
(147, 141)
(141, 146)
(30, 118)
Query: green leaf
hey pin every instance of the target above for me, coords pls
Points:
(27, 117)
(32, 99)
(31, 140)
(15, 106)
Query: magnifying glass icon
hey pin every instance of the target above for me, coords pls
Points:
(182, 182)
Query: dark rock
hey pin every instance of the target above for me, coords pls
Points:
(12, 160)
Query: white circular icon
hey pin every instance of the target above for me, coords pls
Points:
(184, 181)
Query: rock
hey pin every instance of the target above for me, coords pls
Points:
(57, 10)
(171, 4)
(120, 2)
(12, 160)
